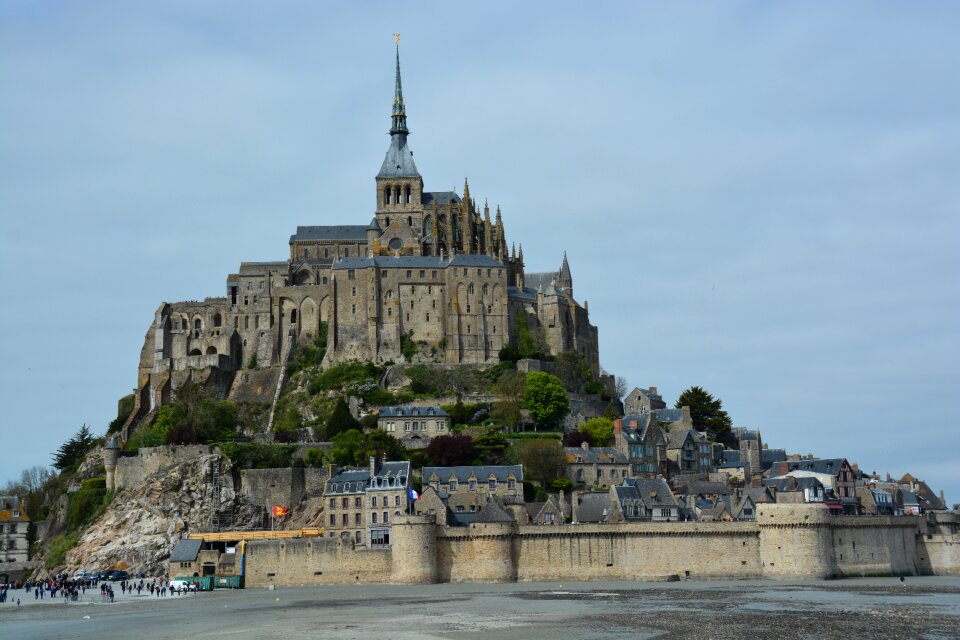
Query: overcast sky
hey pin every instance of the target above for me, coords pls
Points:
(759, 198)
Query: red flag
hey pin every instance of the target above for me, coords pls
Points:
(279, 511)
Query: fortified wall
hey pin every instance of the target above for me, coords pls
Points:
(133, 469)
(787, 541)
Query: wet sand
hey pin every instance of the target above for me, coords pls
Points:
(870, 608)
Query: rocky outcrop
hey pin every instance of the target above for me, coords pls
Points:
(145, 520)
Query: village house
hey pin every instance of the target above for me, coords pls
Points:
(466, 488)
(641, 499)
(689, 451)
(415, 427)
(643, 400)
(595, 466)
(794, 490)
(641, 438)
(362, 502)
(14, 526)
(549, 512)
(835, 474)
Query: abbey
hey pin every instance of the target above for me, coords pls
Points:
(430, 269)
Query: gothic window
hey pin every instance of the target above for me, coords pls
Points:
(470, 289)
(217, 320)
(406, 193)
(197, 325)
(396, 195)
(386, 198)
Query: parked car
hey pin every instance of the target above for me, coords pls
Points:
(119, 575)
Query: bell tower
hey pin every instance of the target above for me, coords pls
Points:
(399, 184)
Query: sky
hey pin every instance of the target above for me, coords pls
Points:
(759, 198)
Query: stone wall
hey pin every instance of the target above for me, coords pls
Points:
(310, 561)
(283, 487)
(132, 470)
(788, 541)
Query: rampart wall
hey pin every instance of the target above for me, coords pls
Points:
(787, 541)
(284, 487)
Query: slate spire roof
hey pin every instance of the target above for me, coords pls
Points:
(399, 160)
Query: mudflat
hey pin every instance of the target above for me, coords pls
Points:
(927, 607)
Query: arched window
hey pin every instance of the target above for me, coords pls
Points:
(211, 351)
(396, 195)
(217, 320)
(470, 289)
(293, 316)
(485, 290)
(386, 196)
(406, 194)
(197, 325)
(195, 352)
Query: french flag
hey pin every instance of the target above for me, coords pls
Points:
(413, 494)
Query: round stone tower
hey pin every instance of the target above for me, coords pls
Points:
(414, 549)
(795, 540)
(110, 462)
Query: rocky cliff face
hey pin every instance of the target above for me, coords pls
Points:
(144, 521)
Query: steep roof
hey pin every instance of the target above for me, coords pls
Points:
(816, 465)
(349, 481)
(330, 232)
(493, 511)
(417, 262)
(481, 473)
(185, 550)
(595, 455)
(593, 506)
(398, 162)
(440, 198)
(652, 493)
(668, 415)
(413, 412)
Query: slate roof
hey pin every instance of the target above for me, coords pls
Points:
(185, 550)
(374, 225)
(676, 438)
(398, 163)
(413, 412)
(651, 493)
(702, 487)
(493, 511)
(791, 483)
(349, 481)
(731, 458)
(440, 198)
(417, 262)
(481, 473)
(668, 415)
(817, 465)
(399, 471)
(330, 232)
(595, 455)
(537, 281)
(594, 506)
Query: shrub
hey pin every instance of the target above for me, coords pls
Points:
(421, 379)
(57, 549)
(313, 458)
(256, 455)
(408, 347)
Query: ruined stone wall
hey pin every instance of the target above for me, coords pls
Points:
(281, 487)
(132, 470)
(313, 561)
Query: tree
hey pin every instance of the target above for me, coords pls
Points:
(73, 450)
(509, 389)
(545, 398)
(572, 369)
(451, 451)
(341, 419)
(349, 448)
(490, 446)
(707, 413)
(545, 460)
(620, 387)
(34, 478)
(599, 430)
(313, 458)
(384, 446)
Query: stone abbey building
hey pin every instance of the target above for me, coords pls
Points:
(430, 267)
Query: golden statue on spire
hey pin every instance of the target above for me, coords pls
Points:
(396, 39)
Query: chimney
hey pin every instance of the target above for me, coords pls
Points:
(585, 445)
(373, 466)
(618, 425)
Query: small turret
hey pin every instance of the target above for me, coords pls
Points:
(566, 280)
(110, 462)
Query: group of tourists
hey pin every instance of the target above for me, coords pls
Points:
(71, 589)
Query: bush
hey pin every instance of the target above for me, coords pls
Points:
(256, 455)
(561, 484)
(599, 430)
(337, 377)
(421, 379)
(57, 549)
(86, 505)
(93, 483)
(408, 348)
(313, 458)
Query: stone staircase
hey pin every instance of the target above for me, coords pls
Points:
(282, 378)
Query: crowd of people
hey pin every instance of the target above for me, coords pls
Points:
(72, 589)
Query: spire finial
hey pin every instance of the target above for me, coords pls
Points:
(399, 115)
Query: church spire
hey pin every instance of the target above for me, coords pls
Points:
(399, 117)
(566, 279)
